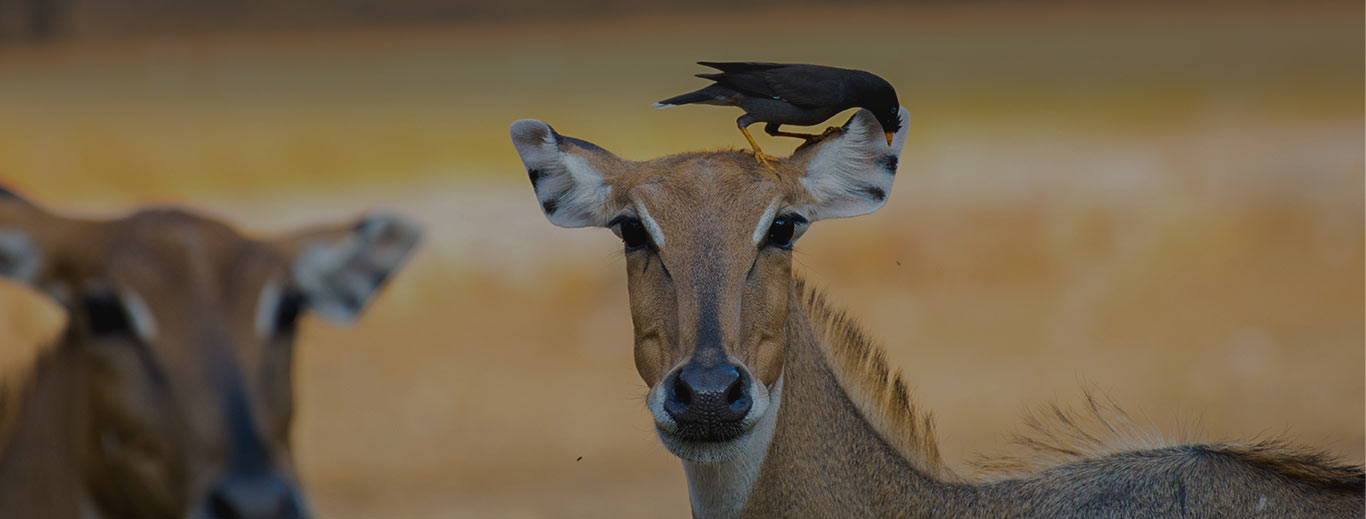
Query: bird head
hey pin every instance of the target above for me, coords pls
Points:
(881, 100)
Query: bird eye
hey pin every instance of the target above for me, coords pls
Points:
(633, 234)
(106, 315)
(780, 233)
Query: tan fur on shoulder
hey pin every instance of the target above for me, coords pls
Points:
(878, 391)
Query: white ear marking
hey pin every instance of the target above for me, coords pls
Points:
(317, 270)
(339, 277)
(19, 257)
(852, 172)
(571, 191)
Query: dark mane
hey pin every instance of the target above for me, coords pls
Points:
(879, 392)
(1055, 436)
(1051, 437)
(1306, 466)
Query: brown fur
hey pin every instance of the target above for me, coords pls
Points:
(163, 387)
(879, 392)
(825, 430)
(1056, 435)
(847, 440)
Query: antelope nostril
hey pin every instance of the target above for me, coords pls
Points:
(735, 392)
(253, 497)
(682, 392)
(219, 507)
(711, 399)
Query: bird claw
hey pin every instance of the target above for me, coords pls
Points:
(766, 161)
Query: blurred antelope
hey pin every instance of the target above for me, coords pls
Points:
(779, 406)
(170, 392)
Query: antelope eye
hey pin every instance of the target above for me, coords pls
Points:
(633, 234)
(781, 232)
(287, 312)
(106, 314)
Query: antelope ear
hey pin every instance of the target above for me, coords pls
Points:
(850, 172)
(339, 270)
(570, 176)
(27, 236)
(19, 255)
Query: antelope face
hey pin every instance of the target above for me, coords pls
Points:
(182, 330)
(708, 242)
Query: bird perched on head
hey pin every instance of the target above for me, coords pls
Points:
(796, 94)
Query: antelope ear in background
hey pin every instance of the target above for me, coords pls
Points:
(339, 271)
(30, 237)
(19, 255)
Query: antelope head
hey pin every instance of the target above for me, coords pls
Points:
(708, 240)
(180, 337)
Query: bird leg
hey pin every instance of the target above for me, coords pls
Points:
(772, 129)
(758, 153)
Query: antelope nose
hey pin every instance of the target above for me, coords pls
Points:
(709, 396)
(265, 496)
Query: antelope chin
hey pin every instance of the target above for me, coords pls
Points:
(716, 446)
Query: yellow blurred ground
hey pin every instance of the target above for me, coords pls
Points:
(1164, 206)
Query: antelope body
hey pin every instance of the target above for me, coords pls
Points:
(779, 406)
(169, 393)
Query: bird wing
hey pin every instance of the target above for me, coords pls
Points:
(740, 66)
(801, 85)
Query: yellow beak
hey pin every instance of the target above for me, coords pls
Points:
(889, 138)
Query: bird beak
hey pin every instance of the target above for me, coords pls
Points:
(889, 138)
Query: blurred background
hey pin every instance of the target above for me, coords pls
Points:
(1164, 203)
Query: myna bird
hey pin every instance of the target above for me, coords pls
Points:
(783, 93)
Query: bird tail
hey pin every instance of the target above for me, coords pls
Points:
(688, 98)
(682, 100)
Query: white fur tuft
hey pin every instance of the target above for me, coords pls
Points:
(19, 256)
(339, 277)
(847, 176)
(571, 192)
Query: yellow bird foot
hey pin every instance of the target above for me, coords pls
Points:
(759, 153)
(767, 161)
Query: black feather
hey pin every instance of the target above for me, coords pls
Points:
(798, 94)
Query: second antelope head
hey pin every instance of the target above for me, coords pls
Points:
(174, 384)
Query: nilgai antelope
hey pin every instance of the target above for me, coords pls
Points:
(170, 392)
(779, 406)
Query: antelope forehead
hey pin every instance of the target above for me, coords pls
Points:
(158, 286)
(699, 203)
